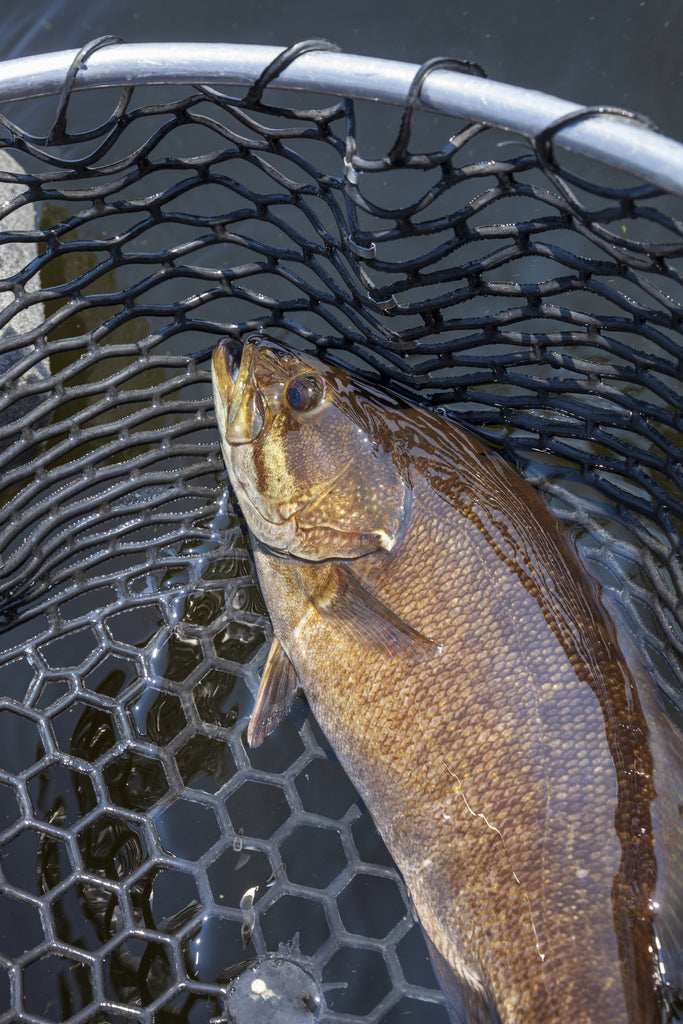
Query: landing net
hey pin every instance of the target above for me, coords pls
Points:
(151, 864)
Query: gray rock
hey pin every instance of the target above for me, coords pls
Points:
(14, 256)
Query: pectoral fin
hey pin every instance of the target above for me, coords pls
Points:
(275, 697)
(359, 614)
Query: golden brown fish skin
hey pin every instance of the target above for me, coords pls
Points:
(510, 771)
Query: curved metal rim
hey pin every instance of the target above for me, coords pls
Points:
(614, 141)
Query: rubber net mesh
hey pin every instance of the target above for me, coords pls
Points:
(147, 856)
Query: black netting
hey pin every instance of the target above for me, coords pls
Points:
(146, 855)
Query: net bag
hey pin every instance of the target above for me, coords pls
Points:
(526, 282)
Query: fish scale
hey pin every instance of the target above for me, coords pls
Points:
(465, 669)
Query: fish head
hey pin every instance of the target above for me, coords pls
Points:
(310, 454)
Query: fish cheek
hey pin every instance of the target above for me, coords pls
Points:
(303, 455)
(367, 506)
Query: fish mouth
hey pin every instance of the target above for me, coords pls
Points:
(225, 364)
(240, 404)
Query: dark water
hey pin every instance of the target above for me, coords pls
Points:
(619, 52)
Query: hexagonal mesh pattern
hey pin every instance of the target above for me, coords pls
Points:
(146, 855)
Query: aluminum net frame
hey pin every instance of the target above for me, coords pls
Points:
(147, 856)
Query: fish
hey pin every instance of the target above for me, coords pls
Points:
(476, 684)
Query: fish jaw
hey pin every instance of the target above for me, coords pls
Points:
(225, 368)
(240, 405)
(233, 390)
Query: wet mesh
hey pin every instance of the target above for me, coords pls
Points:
(147, 856)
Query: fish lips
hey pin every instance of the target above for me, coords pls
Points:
(240, 406)
(226, 360)
(225, 368)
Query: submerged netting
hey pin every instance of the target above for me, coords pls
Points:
(151, 864)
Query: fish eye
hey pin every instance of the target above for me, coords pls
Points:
(304, 393)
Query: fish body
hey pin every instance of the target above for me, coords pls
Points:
(496, 721)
